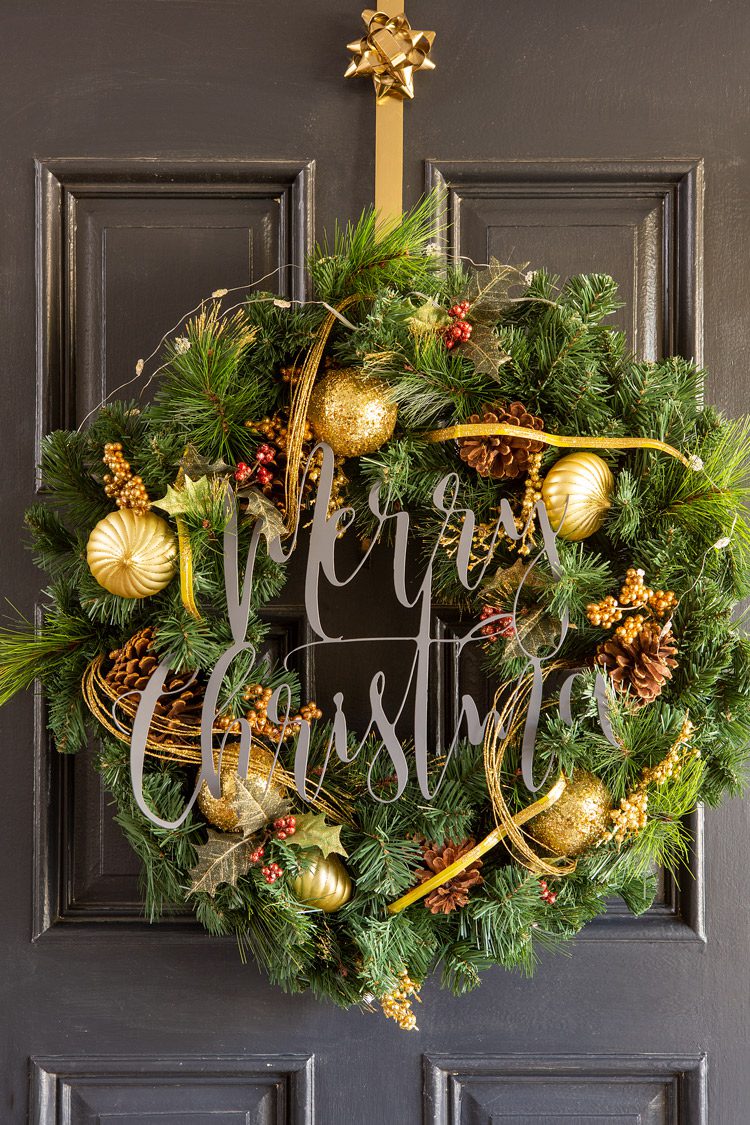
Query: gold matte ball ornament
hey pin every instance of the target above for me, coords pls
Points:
(584, 483)
(131, 554)
(577, 819)
(324, 885)
(352, 412)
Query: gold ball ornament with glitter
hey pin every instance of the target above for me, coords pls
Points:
(221, 811)
(577, 819)
(352, 412)
(132, 554)
(584, 483)
(325, 884)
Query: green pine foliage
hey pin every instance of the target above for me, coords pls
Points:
(688, 529)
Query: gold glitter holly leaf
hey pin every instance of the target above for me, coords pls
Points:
(489, 292)
(535, 630)
(222, 859)
(195, 465)
(483, 349)
(258, 507)
(428, 320)
(256, 805)
(313, 832)
(502, 586)
(193, 497)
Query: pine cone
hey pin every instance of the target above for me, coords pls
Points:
(642, 665)
(455, 892)
(134, 664)
(501, 456)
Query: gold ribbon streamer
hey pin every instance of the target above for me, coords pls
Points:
(298, 414)
(483, 846)
(187, 591)
(390, 52)
(495, 429)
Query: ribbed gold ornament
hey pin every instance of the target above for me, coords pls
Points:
(132, 554)
(325, 885)
(221, 811)
(578, 818)
(584, 483)
(352, 411)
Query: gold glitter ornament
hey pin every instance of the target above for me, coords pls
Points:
(325, 884)
(583, 482)
(352, 412)
(132, 554)
(221, 811)
(577, 819)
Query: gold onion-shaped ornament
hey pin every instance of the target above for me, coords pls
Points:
(352, 411)
(583, 482)
(132, 555)
(222, 811)
(578, 818)
(324, 885)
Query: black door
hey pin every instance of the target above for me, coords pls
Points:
(154, 150)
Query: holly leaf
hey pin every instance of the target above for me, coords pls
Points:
(259, 507)
(192, 497)
(428, 320)
(313, 832)
(490, 291)
(222, 859)
(195, 465)
(483, 349)
(254, 807)
(173, 503)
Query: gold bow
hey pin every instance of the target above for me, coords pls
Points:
(391, 52)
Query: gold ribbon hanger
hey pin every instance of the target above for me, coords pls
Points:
(390, 52)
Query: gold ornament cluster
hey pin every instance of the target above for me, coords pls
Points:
(635, 594)
(120, 483)
(631, 816)
(397, 1003)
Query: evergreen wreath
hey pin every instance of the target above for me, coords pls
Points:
(650, 594)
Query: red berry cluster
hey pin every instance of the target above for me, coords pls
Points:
(502, 627)
(284, 826)
(264, 456)
(272, 872)
(460, 330)
(257, 855)
(548, 895)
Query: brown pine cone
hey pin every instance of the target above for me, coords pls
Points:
(133, 665)
(642, 665)
(449, 896)
(501, 456)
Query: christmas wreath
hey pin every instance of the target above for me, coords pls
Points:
(584, 510)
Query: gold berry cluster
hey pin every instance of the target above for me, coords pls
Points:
(120, 483)
(532, 494)
(397, 1004)
(632, 814)
(634, 594)
(258, 697)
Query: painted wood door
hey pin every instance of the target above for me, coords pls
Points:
(153, 150)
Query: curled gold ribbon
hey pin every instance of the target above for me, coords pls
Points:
(298, 414)
(390, 52)
(559, 441)
(483, 846)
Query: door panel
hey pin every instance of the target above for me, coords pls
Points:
(156, 150)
